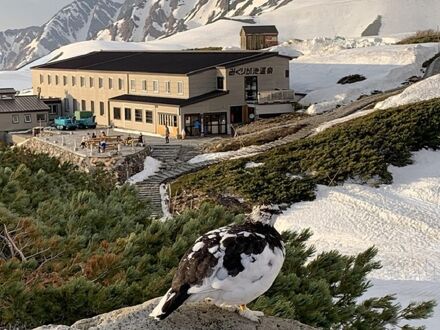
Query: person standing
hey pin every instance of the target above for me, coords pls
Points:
(141, 140)
(167, 134)
(197, 127)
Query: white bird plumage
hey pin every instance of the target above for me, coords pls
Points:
(229, 267)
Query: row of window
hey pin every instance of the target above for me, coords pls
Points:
(41, 117)
(82, 106)
(138, 115)
(146, 116)
(90, 83)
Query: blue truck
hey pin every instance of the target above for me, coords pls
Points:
(81, 120)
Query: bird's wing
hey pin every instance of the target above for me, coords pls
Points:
(218, 257)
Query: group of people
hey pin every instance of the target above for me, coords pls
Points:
(103, 136)
(102, 143)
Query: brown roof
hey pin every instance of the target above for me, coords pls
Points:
(260, 29)
(23, 104)
(177, 62)
(169, 100)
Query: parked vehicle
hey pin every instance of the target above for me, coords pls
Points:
(81, 120)
(65, 123)
(85, 119)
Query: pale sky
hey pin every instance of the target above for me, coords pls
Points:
(24, 13)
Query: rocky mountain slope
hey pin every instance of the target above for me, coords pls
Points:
(81, 20)
(141, 20)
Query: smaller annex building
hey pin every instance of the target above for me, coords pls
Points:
(254, 37)
(18, 113)
(196, 92)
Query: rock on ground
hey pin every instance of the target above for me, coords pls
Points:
(195, 317)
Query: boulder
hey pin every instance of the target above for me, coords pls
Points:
(190, 316)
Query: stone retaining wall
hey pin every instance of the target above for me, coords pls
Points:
(122, 167)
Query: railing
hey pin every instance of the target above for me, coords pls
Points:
(276, 96)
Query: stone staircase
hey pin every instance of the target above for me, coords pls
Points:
(174, 157)
(174, 164)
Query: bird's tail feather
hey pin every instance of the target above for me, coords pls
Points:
(170, 302)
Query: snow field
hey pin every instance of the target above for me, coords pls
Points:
(385, 67)
(402, 220)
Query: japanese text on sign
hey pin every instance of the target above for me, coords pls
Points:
(249, 71)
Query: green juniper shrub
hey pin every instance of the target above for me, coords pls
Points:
(359, 150)
(85, 247)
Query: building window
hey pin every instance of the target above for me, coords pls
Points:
(121, 84)
(127, 114)
(92, 106)
(133, 85)
(144, 85)
(220, 83)
(251, 88)
(180, 87)
(64, 80)
(83, 105)
(117, 113)
(138, 115)
(91, 82)
(100, 82)
(149, 117)
(156, 86)
(287, 73)
(41, 79)
(75, 107)
(168, 87)
(82, 81)
(53, 109)
(57, 80)
(27, 119)
(101, 108)
(167, 119)
(49, 79)
(110, 83)
(41, 117)
(15, 119)
(73, 81)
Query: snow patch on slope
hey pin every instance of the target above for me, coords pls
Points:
(424, 90)
(401, 220)
(151, 167)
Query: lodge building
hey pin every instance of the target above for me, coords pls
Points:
(200, 92)
(18, 113)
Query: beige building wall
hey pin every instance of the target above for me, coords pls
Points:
(266, 82)
(80, 89)
(7, 124)
(162, 81)
(76, 85)
(203, 82)
(157, 127)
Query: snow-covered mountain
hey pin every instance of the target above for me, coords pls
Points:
(143, 20)
(81, 20)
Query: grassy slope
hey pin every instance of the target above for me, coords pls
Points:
(360, 150)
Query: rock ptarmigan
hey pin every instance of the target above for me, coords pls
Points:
(229, 267)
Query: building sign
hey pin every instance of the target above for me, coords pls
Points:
(250, 71)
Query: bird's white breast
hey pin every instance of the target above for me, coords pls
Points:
(258, 275)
